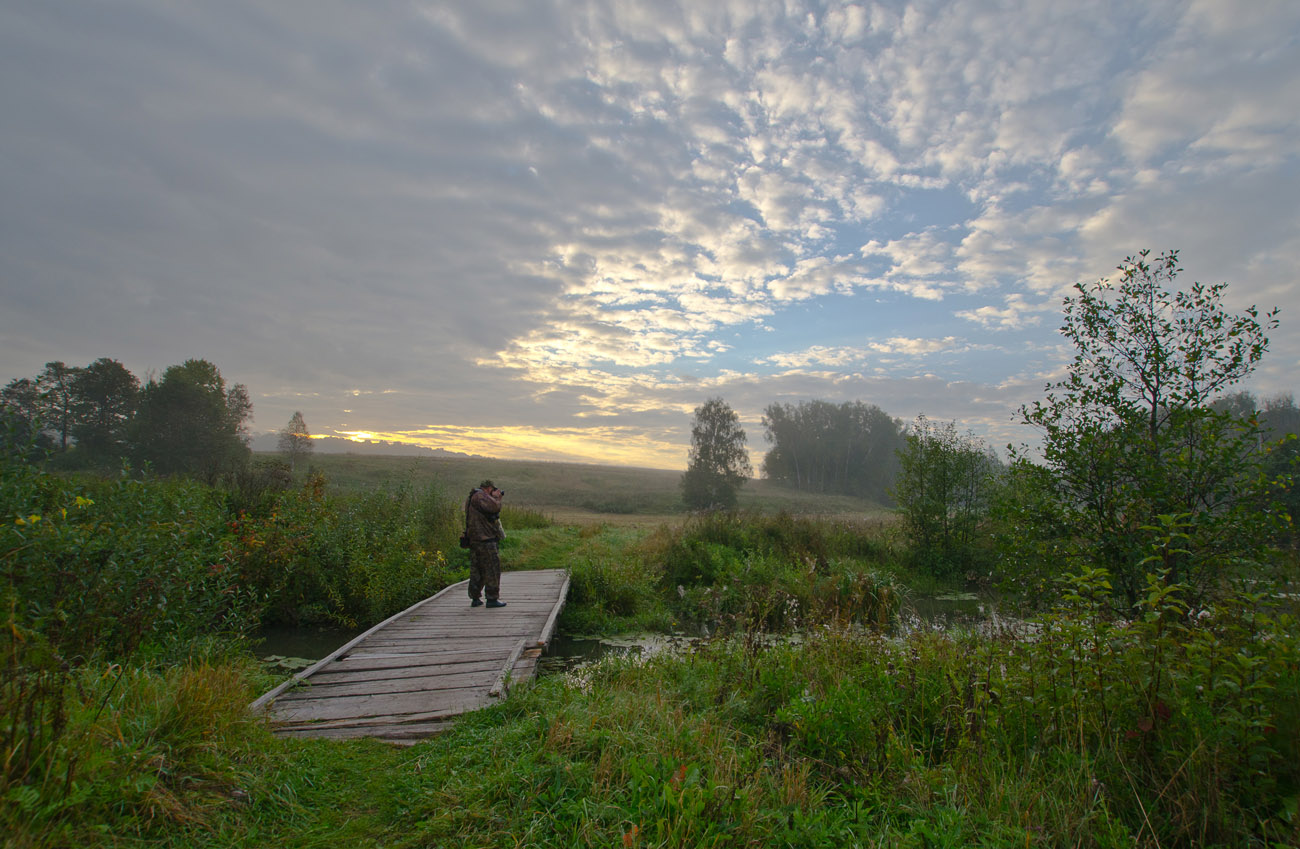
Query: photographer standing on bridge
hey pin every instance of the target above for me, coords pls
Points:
(482, 533)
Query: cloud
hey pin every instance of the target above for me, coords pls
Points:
(531, 222)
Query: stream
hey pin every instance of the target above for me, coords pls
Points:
(291, 649)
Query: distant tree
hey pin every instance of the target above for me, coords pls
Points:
(190, 423)
(58, 399)
(718, 463)
(943, 493)
(1281, 417)
(1131, 439)
(21, 402)
(295, 440)
(104, 400)
(818, 446)
(1277, 427)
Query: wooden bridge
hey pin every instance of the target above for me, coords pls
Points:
(409, 676)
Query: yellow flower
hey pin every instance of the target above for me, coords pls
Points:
(84, 502)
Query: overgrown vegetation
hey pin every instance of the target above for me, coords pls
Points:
(944, 491)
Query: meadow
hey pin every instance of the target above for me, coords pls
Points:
(809, 719)
(576, 492)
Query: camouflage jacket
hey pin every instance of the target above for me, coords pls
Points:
(483, 517)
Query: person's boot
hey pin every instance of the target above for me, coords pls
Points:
(492, 602)
(476, 602)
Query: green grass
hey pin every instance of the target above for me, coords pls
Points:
(1164, 731)
(838, 741)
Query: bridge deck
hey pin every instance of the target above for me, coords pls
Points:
(409, 676)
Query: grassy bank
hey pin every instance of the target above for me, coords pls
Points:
(842, 740)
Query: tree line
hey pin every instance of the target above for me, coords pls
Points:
(188, 421)
(817, 446)
(1152, 474)
(1151, 467)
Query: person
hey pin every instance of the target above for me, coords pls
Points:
(483, 531)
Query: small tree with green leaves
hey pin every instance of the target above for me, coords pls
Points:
(1130, 436)
(942, 490)
(718, 463)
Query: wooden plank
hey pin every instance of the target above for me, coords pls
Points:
(360, 663)
(502, 682)
(394, 672)
(409, 676)
(399, 732)
(264, 700)
(447, 703)
(409, 684)
(549, 627)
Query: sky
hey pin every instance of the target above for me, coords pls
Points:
(550, 229)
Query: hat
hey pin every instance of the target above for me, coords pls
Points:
(487, 485)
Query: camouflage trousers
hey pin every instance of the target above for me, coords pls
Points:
(484, 570)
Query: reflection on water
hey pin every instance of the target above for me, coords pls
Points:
(289, 648)
(566, 652)
(938, 612)
(289, 643)
(945, 611)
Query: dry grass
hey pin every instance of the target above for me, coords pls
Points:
(578, 493)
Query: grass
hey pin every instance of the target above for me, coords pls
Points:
(575, 491)
(1160, 732)
(838, 741)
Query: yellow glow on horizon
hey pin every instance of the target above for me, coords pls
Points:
(619, 446)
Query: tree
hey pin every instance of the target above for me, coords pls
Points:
(1131, 439)
(718, 463)
(850, 448)
(20, 401)
(58, 399)
(295, 440)
(104, 399)
(189, 423)
(942, 490)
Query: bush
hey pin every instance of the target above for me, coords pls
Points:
(757, 573)
(351, 560)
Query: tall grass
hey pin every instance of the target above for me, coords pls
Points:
(928, 740)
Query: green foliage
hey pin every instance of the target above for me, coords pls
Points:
(718, 463)
(349, 560)
(104, 567)
(144, 752)
(943, 491)
(93, 573)
(1179, 727)
(1130, 433)
(190, 423)
(756, 574)
(104, 400)
(123, 574)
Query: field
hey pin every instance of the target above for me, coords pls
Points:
(576, 492)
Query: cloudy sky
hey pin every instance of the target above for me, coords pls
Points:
(551, 228)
